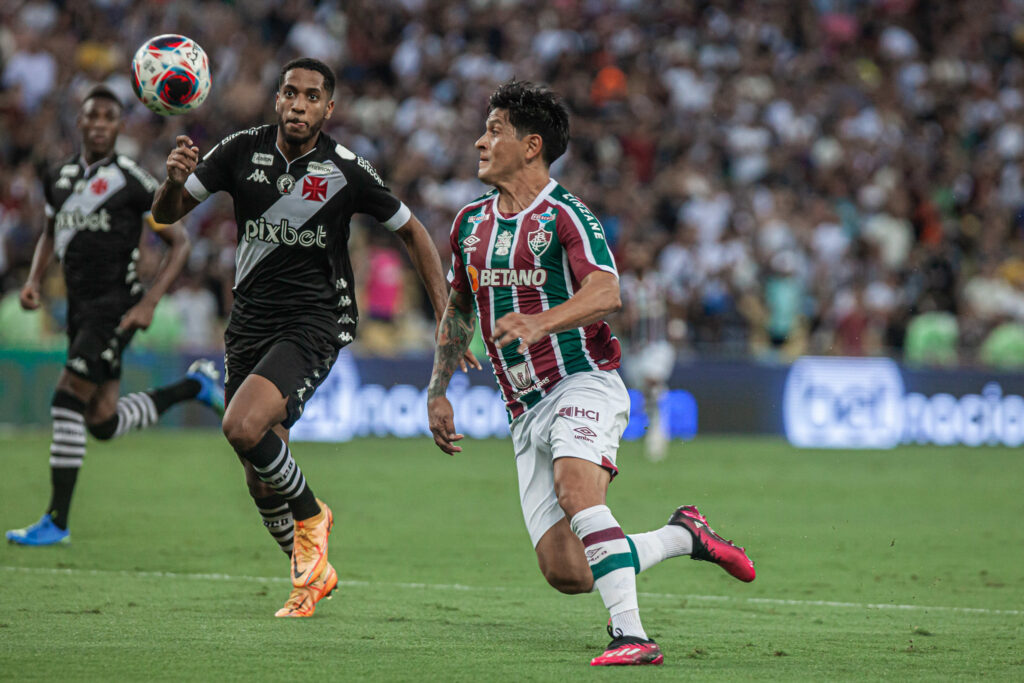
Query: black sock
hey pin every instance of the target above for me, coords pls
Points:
(66, 453)
(273, 462)
(182, 390)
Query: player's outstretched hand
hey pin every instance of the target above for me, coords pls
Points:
(138, 317)
(182, 160)
(29, 296)
(513, 326)
(442, 425)
(468, 361)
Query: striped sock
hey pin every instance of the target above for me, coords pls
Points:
(135, 411)
(273, 463)
(611, 561)
(656, 546)
(66, 453)
(277, 518)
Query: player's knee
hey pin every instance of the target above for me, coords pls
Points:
(104, 429)
(242, 433)
(568, 582)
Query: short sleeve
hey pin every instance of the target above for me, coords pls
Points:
(374, 198)
(457, 273)
(214, 172)
(583, 239)
(45, 177)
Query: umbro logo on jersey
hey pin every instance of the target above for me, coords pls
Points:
(314, 189)
(261, 159)
(471, 240)
(585, 434)
(259, 176)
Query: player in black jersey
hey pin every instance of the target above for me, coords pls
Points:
(295, 190)
(95, 206)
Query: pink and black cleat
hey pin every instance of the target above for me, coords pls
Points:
(710, 547)
(629, 651)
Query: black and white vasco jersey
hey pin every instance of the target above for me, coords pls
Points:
(98, 212)
(292, 267)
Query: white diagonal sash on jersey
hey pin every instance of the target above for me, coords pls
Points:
(87, 202)
(294, 207)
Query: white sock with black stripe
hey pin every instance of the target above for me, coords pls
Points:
(135, 411)
(277, 518)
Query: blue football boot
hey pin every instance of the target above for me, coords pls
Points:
(211, 393)
(43, 532)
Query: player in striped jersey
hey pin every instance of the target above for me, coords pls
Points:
(530, 262)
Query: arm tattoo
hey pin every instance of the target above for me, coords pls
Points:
(453, 339)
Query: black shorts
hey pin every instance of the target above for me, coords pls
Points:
(296, 363)
(95, 346)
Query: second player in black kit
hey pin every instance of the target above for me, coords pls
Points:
(96, 204)
(295, 191)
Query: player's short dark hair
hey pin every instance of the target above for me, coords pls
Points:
(103, 92)
(312, 65)
(534, 109)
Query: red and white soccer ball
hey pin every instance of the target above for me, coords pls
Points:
(171, 74)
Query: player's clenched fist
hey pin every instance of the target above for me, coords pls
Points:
(182, 160)
(29, 296)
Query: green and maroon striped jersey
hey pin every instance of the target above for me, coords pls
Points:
(528, 263)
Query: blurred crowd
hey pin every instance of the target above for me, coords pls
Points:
(828, 177)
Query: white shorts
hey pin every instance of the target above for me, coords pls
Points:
(583, 417)
(651, 363)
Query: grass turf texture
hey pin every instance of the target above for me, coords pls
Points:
(170, 575)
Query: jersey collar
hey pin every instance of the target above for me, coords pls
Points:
(541, 196)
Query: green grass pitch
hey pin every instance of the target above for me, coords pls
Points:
(902, 565)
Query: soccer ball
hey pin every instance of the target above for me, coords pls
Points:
(171, 74)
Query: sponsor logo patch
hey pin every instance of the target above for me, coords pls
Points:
(506, 277)
(283, 233)
(262, 159)
(79, 220)
(317, 168)
(575, 411)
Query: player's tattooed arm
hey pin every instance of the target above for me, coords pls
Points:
(453, 338)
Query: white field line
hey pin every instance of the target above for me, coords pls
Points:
(55, 571)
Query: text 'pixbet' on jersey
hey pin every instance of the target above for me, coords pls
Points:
(282, 233)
